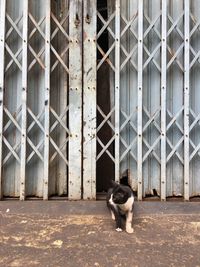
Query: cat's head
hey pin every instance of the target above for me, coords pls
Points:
(120, 195)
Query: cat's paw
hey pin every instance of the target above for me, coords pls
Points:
(129, 230)
(112, 216)
(118, 229)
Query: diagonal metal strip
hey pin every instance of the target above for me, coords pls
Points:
(36, 120)
(61, 116)
(151, 119)
(59, 59)
(10, 147)
(128, 120)
(58, 150)
(35, 149)
(174, 150)
(12, 119)
(37, 57)
(16, 147)
(106, 25)
(59, 27)
(106, 119)
(105, 56)
(59, 120)
(153, 60)
(128, 57)
(11, 29)
(151, 24)
(128, 149)
(14, 56)
(14, 26)
(37, 27)
(151, 149)
(105, 148)
(174, 119)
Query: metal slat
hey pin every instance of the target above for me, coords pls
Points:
(24, 100)
(75, 99)
(117, 90)
(2, 66)
(47, 99)
(140, 89)
(186, 96)
(163, 98)
(89, 100)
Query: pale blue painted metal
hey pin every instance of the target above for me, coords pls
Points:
(153, 57)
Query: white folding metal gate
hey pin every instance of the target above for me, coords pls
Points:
(86, 88)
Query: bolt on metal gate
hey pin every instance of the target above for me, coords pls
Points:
(84, 87)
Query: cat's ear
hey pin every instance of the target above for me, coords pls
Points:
(114, 184)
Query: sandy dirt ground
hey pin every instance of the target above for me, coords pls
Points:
(80, 233)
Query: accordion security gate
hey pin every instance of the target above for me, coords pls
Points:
(56, 131)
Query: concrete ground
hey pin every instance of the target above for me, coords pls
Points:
(66, 233)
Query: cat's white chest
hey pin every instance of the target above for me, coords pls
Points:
(127, 205)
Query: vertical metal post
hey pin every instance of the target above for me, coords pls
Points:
(117, 90)
(47, 99)
(163, 98)
(186, 96)
(75, 99)
(24, 100)
(140, 89)
(2, 66)
(89, 100)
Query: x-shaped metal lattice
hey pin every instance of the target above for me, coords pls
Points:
(14, 56)
(60, 120)
(129, 28)
(12, 148)
(194, 124)
(128, 146)
(106, 120)
(13, 118)
(60, 29)
(174, 55)
(151, 122)
(151, 55)
(36, 120)
(196, 55)
(174, 118)
(106, 54)
(174, 122)
(151, 119)
(36, 55)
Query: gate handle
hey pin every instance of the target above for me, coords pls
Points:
(88, 17)
(77, 20)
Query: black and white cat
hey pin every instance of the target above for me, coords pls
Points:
(120, 201)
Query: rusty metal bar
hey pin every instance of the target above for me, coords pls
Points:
(75, 100)
(89, 100)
